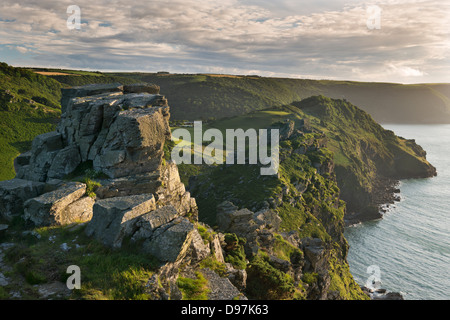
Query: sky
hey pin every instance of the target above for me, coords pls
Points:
(407, 42)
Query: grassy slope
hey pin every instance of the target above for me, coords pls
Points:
(22, 117)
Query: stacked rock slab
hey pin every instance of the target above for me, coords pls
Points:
(120, 131)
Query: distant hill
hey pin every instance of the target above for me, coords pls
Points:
(217, 96)
(206, 96)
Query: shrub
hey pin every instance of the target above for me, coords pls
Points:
(264, 282)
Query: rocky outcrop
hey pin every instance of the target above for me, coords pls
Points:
(119, 132)
(13, 194)
(114, 218)
(61, 206)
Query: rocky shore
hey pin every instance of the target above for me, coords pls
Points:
(386, 192)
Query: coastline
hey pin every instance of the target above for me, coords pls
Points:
(386, 192)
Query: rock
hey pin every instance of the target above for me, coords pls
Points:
(79, 211)
(13, 194)
(286, 129)
(49, 208)
(149, 222)
(22, 160)
(54, 289)
(134, 143)
(280, 264)
(220, 288)
(386, 296)
(44, 149)
(240, 221)
(127, 186)
(217, 249)
(314, 250)
(65, 162)
(4, 281)
(64, 247)
(115, 218)
(268, 217)
(171, 242)
(198, 249)
(164, 183)
(237, 277)
(87, 90)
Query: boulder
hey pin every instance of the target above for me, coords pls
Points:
(237, 277)
(49, 208)
(127, 186)
(240, 222)
(149, 222)
(78, 211)
(44, 149)
(170, 242)
(268, 217)
(22, 160)
(221, 288)
(115, 218)
(315, 253)
(198, 249)
(217, 249)
(13, 194)
(65, 162)
(134, 143)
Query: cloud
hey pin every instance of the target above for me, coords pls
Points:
(278, 38)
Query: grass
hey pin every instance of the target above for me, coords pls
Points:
(105, 273)
(194, 289)
(18, 129)
(286, 251)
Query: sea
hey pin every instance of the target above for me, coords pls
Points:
(408, 251)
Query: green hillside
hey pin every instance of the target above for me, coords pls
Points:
(29, 106)
(365, 157)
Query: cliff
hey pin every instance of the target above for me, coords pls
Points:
(101, 192)
(369, 160)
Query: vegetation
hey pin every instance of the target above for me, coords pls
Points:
(194, 289)
(266, 282)
(29, 106)
(38, 258)
(234, 251)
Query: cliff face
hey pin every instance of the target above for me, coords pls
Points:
(291, 224)
(369, 159)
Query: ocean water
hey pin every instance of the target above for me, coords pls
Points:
(410, 246)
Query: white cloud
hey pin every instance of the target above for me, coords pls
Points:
(237, 36)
